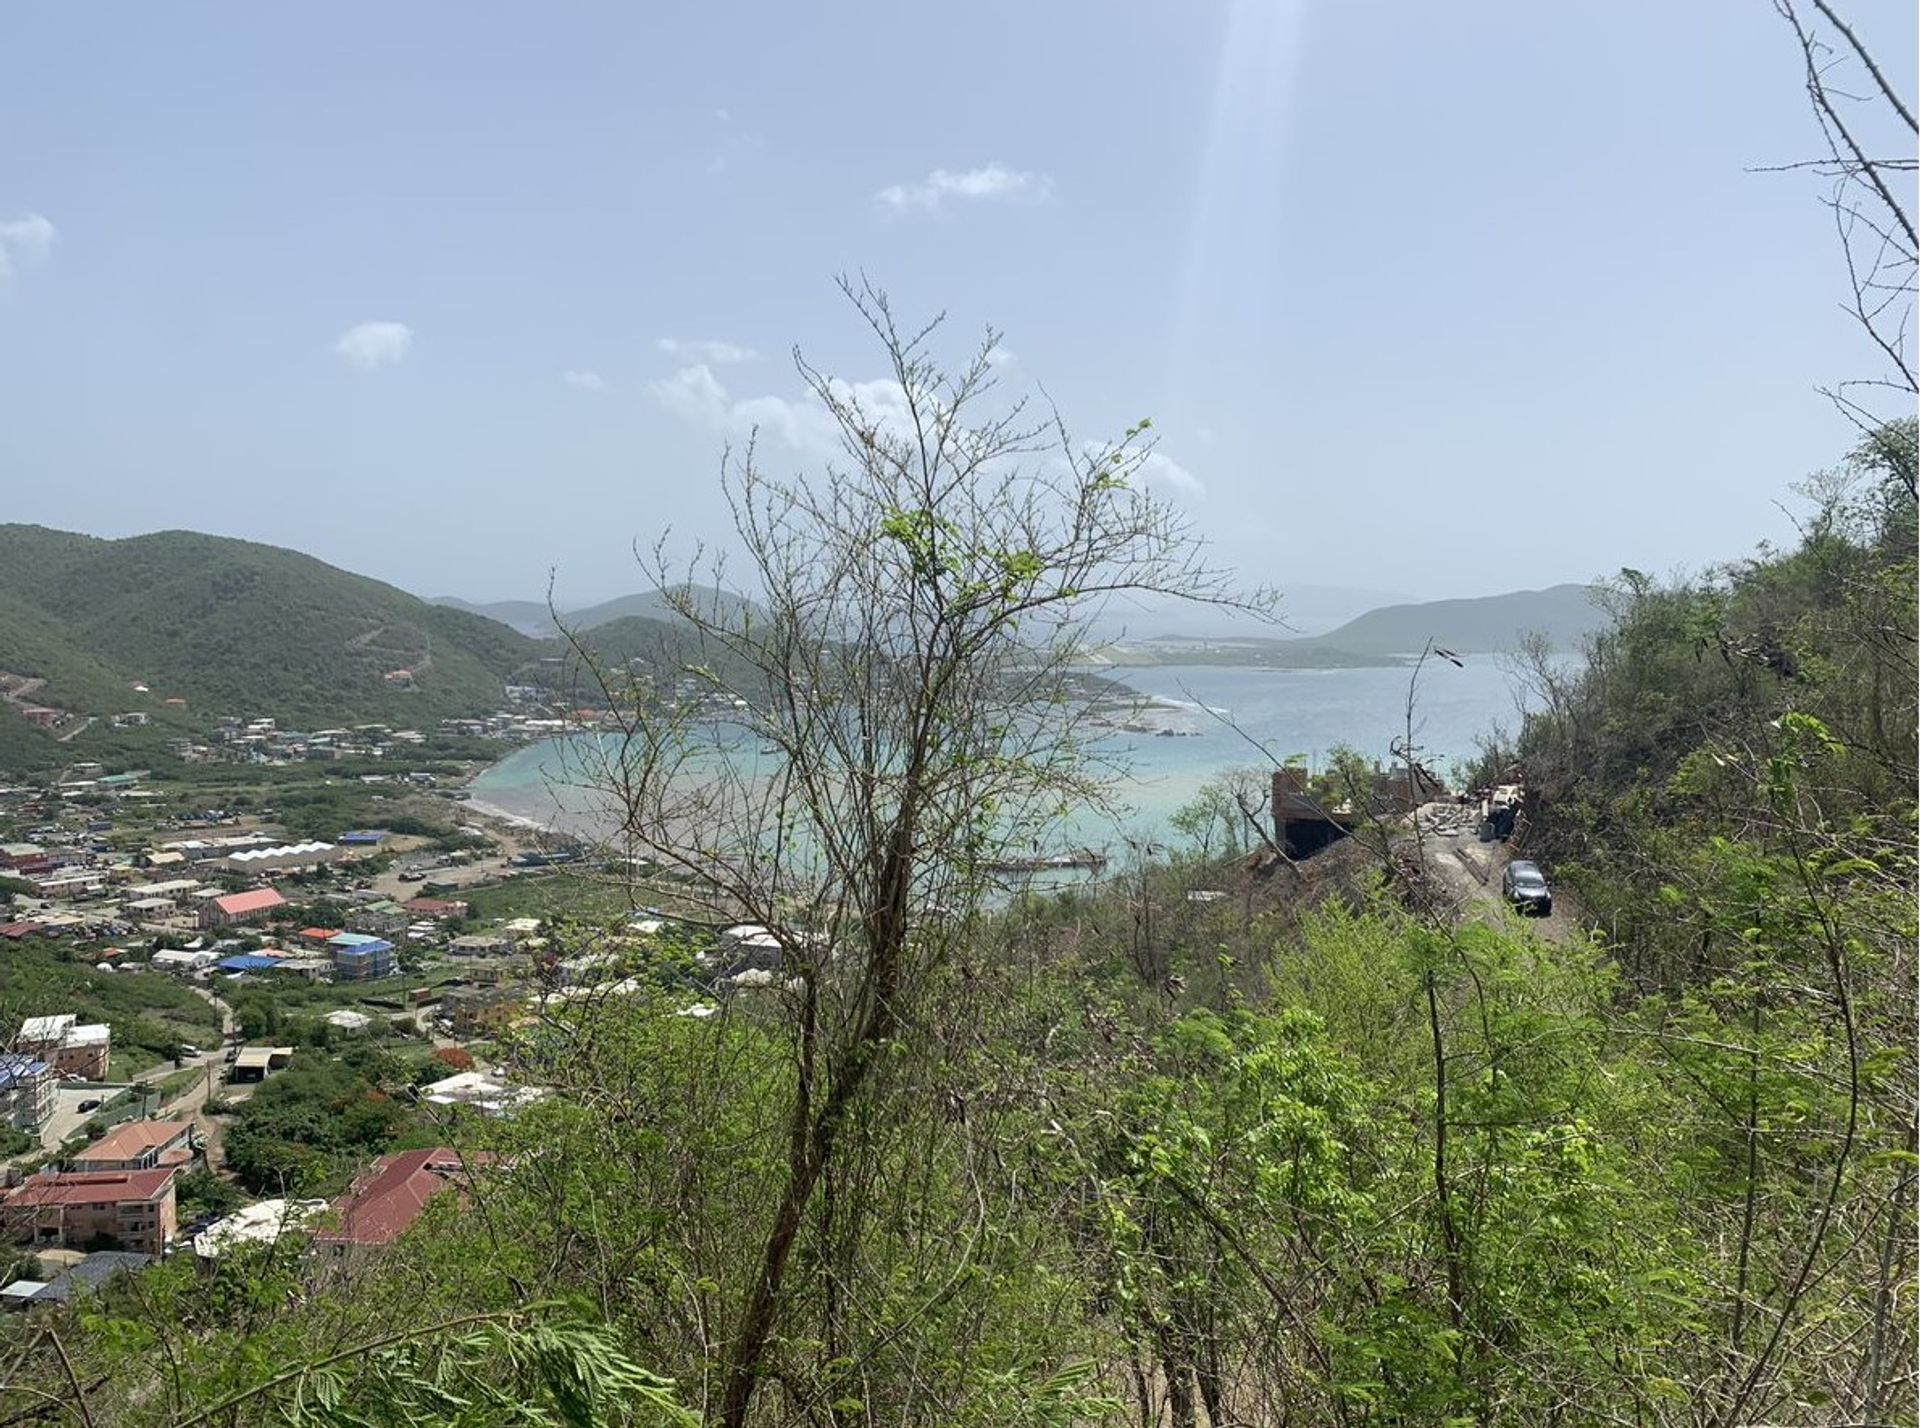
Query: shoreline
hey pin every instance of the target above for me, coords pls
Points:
(1189, 725)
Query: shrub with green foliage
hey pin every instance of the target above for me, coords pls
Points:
(308, 1128)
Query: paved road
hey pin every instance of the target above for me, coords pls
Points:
(67, 1115)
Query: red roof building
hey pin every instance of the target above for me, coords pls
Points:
(132, 1208)
(139, 1145)
(241, 907)
(382, 1205)
(318, 934)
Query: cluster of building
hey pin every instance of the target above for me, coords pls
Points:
(84, 886)
(260, 740)
(114, 1209)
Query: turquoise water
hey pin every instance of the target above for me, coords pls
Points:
(1290, 712)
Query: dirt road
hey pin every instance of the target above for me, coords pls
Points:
(1470, 871)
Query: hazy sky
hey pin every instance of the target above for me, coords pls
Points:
(1445, 299)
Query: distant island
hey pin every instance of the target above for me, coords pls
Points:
(1391, 635)
(1387, 636)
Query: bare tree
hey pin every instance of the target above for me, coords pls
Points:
(1860, 112)
(892, 711)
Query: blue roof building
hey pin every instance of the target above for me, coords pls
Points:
(359, 957)
(90, 1273)
(248, 962)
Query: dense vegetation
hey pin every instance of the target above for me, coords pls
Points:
(309, 1128)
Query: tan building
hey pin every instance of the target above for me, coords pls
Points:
(70, 1048)
(476, 1010)
(256, 1063)
(131, 1209)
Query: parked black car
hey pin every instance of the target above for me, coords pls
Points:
(1525, 887)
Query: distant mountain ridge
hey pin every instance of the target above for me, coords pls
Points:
(1393, 634)
(534, 618)
(233, 626)
(1565, 614)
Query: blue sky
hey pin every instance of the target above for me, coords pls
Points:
(1435, 299)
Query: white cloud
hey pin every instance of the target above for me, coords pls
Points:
(801, 424)
(585, 381)
(29, 238)
(993, 181)
(998, 356)
(694, 394)
(731, 145)
(1170, 476)
(804, 425)
(717, 354)
(373, 345)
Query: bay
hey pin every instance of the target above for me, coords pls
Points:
(1290, 713)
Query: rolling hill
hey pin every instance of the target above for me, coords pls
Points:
(1565, 614)
(532, 617)
(231, 626)
(1394, 634)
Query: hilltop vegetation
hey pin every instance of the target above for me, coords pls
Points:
(232, 626)
(1772, 701)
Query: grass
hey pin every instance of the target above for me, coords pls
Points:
(179, 1082)
(150, 1013)
(131, 1064)
(558, 895)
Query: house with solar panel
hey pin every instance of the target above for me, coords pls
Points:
(26, 1092)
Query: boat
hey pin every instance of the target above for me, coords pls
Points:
(1085, 858)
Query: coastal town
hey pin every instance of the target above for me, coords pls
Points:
(169, 961)
(179, 971)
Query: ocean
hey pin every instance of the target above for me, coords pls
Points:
(1304, 713)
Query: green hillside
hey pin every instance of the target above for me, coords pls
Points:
(1565, 614)
(661, 650)
(232, 626)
